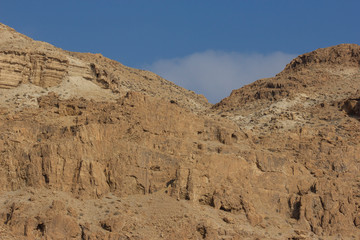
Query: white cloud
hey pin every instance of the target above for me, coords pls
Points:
(215, 74)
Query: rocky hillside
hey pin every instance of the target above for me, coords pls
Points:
(91, 149)
(38, 68)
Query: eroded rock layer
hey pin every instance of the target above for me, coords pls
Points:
(91, 149)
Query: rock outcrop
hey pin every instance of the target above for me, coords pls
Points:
(91, 149)
(24, 61)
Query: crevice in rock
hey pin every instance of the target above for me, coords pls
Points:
(258, 165)
(295, 210)
(188, 181)
(10, 214)
(41, 228)
(106, 227)
(46, 178)
(225, 209)
(202, 230)
(83, 236)
(170, 183)
(313, 188)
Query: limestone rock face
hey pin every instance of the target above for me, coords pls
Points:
(91, 149)
(36, 68)
(25, 61)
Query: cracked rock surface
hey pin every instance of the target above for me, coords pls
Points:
(92, 149)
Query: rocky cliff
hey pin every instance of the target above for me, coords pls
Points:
(91, 149)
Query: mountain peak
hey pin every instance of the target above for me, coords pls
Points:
(339, 55)
(332, 71)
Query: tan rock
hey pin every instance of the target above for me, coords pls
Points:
(92, 149)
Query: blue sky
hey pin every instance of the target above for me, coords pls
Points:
(209, 46)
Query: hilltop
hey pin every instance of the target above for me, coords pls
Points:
(92, 149)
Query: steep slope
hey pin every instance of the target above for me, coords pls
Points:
(328, 71)
(91, 149)
(308, 116)
(39, 68)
